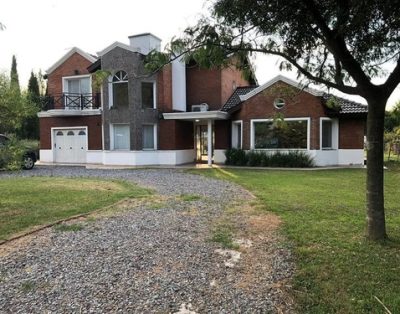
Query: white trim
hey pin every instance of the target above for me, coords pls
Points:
(154, 94)
(68, 113)
(308, 119)
(233, 136)
(200, 115)
(154, 136)
(69, 54)
(115, 45)
(335, 133)
(75, 77)
(283, 79)
(68, 128)
(112, 137)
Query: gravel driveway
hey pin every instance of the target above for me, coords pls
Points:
(150, 260)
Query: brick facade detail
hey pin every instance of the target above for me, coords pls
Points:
(93, 123)
(175, 134)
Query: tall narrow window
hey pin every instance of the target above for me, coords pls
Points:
(120, 89)
(148, 99)
(326, 134)
(237, 135)
(121, 136)
(148, 136)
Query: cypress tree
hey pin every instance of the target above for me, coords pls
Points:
(14, 84)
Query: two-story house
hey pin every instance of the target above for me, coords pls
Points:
(183, 114)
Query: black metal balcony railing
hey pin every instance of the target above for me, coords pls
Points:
(71, 101)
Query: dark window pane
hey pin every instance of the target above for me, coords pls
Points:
(326, 134)
(147, 95)
(120, 94)
(291, 135)
(148, 137)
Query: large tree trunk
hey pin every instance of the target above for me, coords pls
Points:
(376, 227)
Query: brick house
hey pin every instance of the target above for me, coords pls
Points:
(184, 114)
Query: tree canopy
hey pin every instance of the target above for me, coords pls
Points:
(341, 44)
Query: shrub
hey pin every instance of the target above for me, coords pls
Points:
(11, 155)
(291, 159)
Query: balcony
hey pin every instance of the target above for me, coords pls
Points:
(70, 104)
(71, 101)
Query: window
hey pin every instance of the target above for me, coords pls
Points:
(70, 133)
(74, 87)
(82, 133)
(148, 99)
(290, 135)
(326, 127)
(237, 134)
(121, 136)
(279, 103)
(60, 133)
(149, 136)
(120, 89)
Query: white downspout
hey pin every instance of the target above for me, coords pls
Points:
(209, 142)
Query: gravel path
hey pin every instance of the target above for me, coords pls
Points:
(148, 260)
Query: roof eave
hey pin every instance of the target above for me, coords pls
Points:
(68, 55)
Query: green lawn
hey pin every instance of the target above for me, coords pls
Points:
(28, 202)
(338, 271)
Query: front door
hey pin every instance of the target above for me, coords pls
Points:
(201, 139)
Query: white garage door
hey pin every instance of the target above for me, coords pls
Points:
(70, 145)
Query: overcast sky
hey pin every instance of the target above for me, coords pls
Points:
(42, 31)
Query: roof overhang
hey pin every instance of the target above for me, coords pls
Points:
(115, 45)
(198, 115)
(282, 79)
(69, 54)
(68, 113)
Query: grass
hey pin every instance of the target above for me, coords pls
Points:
(190, 197)
(223, 234)
(66, 228)
(29, 202)
(338, 271)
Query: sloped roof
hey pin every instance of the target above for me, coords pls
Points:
(114, 45)
(241, 94)
(69, 54)
(346, 106)
(234, 100)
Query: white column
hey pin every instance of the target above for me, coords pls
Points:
(209, 142)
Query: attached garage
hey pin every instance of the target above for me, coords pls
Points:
(70, 145)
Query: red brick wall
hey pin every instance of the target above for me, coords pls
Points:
(351, 134)
(222, 131)
(299, 104)
(203, 85)
(73, 65)
(231, 78)
(164, 89)
(93, 123)
(175, 135)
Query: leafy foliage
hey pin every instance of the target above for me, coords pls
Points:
(11, 155)
(14, 76)
(392, 118)
(291, 159)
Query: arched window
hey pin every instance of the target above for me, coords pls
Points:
(70, 133)
(60, 133)
(120, 89)
(82, 133)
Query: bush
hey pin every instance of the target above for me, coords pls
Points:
(291, 159)
(11, 155)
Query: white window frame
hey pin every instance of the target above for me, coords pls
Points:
(154, 93)
(235, 123)
(110, 88)
(112, 147)
(75, 77)
(252, 136)
(335, 133)
(155, 128)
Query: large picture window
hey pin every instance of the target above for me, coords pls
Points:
(148, 99)
(149, 136)
(292, 134)
(120, 89)
(121, 136)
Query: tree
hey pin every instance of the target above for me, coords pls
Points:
(14, 106)
(341, 44)
(14, 75)
(392, 118)
(29, 127)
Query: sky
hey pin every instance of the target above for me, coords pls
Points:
(40, 32)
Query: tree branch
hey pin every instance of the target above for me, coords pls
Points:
(393, 80)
